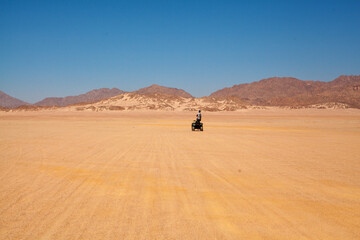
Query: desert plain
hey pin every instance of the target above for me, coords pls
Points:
(252, 174)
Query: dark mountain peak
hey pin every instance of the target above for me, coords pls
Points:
(347, 79)
(105, 90)
(279, 79)
(8, 101)
(154, 88)
(91, 96)
(269, 87)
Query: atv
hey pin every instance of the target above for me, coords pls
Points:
(197, 125)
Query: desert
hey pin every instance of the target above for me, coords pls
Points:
(179, 120)
(267, 173)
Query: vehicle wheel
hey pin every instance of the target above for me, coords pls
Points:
(201, 128)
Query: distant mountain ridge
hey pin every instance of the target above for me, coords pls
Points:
(276, 91)
(287, 91)
(9, 101)
(92, 96)
(164, 90)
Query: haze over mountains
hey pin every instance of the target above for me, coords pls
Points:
(276, 91)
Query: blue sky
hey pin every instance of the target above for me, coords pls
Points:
(61, 48)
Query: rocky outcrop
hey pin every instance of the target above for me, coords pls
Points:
(286, 91)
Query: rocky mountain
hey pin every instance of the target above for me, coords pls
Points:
(153, 89)
(92, 96)
(343, 92)
(286, 91)
(9, 101)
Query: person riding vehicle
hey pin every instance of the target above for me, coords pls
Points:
(197, 124)
(198, 117)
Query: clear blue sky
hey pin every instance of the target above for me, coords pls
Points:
(61, 48)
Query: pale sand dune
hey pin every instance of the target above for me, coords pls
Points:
(256, 174)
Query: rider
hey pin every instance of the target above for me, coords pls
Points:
(198, 117)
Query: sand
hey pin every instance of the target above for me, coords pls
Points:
(257, 174)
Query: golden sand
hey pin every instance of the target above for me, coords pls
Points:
(266, 174)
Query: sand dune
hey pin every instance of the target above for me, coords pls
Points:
(255, 174)
(162, 102)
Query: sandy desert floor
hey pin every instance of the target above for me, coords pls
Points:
(259, 174)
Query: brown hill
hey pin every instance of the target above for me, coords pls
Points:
(9, 101)
(153, 89)
(92, 96)
(286, 91)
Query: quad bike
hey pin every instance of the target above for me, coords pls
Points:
(197, 125)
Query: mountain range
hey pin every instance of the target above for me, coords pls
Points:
(287, 91)
(275, 91)
(92, 96)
